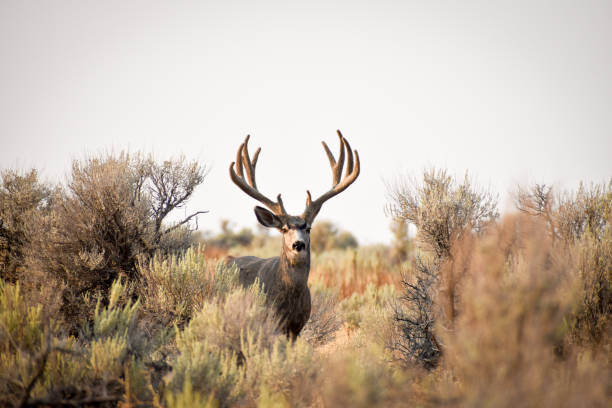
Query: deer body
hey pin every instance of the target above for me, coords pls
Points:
(285, 287)
(285, 278)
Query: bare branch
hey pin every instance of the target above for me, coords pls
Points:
(186, 220)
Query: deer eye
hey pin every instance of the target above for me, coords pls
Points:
(308, 230)
(284, 228)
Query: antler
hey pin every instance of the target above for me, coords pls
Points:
(248, 184)
(338, 185)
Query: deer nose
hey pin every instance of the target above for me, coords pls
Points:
(299, 245)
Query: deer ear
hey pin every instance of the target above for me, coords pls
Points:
(267, 218)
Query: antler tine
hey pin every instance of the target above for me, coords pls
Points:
(279, 200)
(338, 186)
(248, 184)
(239, 159)
(336, 166)
(349, 157)
(256, 157)
(340, 164)
(249, 166)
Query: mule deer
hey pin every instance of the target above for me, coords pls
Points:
(285, 277)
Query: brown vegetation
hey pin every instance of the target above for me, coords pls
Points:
(78, 239)
(444, 212)
(511, 312)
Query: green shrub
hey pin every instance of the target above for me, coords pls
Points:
(211, 371)
(285, 371)
(223, 321)
(23, 339)
(174, 286)
(42, 366)
(231, 349)
(358, 305)
(188, 398)
(211, 346)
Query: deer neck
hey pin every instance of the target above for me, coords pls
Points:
(294, 269)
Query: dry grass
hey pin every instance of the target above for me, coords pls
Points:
(348, 271)
(351, 271)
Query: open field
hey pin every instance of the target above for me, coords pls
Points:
(103, 303)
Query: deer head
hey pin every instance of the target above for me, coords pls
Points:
(295, 229)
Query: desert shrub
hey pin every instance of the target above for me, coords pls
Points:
(173, 287)
(110, 215)
(169, 185)
(24, 202)
(118, 358)
(518, 292)
(210, 370)
(324, 321)
(358, 305)
(569, 216)
(586, 211)
(111, 352)
(177, 241)
(40, 365)
(117, 319)
(188, 398)
(223, 320)
(25, 344)
(401, 244)
(22, 197)
(36, 359)
(213, 343)
(363, 377)
(591, 322)
(441, 208)
(415, 317)
(285, 372)
(230, 352)
(99, 226)
(232, 349)
(326, 236)
(445, 212)
(581, 223)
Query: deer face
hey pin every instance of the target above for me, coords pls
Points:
(296, 232)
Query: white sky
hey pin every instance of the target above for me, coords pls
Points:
(514, 92)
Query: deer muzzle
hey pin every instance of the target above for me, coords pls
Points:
(299, 245)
